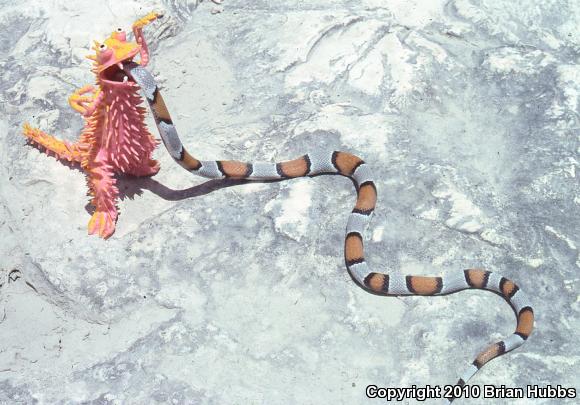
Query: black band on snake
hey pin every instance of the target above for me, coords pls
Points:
(348, 165)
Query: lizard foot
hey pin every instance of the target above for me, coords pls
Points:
(152, 167)
(149, 169)
(102, 223)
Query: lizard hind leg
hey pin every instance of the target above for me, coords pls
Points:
(140, 153)
(102, 187)
(62, 149)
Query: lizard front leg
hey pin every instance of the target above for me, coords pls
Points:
(102, 187)
(140, 38)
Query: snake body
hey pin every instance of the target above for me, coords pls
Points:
(351, 166)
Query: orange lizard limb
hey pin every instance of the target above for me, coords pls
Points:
(102, 187)
(85, 105)
(138, 32)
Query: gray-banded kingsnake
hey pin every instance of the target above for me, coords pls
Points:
(349, 165)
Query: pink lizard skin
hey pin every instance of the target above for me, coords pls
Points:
(115, 138)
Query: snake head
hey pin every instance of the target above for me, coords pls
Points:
(110, 55)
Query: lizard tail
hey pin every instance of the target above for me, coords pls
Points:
(62, 149)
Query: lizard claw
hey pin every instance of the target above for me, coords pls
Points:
(89, 88)
(149, 18)
(102, 223)
(84, 104)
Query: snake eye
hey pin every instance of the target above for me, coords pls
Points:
(119, 29)
(103, 47)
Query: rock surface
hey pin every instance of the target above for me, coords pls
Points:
(210, 293)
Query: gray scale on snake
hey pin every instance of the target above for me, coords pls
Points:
(351, 166)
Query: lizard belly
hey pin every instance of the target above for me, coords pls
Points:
(126, 141)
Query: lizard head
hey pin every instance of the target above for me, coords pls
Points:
(110, 56)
